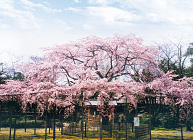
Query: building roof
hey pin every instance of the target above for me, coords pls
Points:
(95, 103)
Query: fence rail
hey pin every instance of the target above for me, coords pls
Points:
(12, 119)
(29, 122)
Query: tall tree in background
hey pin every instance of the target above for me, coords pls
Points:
(178, 95)
(2, 74)
(9, 73)
(173, 56)
(189, 69)
(167, 57)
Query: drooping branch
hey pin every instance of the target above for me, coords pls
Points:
(68, 73)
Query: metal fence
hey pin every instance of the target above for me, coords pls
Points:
(13, 120)
(114, 130)
(55, 123)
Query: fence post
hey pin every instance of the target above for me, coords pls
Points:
(46, 119)
(126, 111)
(101, 127)
(59, 121)
(82, 129)
(119, 126)
(72, 126)
(10, 119)
(181, 131)
(54, 127)
(49, 122)
(85, 130)
(111, 129)
(14, 132)
(35, 119)
(150, 120)
(25, 122)
(136, 135)
(75, 126)
(62, 126)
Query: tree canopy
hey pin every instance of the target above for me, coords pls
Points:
(93, 67)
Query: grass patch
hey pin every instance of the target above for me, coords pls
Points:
(171, 135)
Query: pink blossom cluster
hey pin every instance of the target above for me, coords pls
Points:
(177, 93)
(107, 69)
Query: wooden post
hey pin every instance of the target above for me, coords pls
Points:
(101, 137)
(60, 122)
(72, 125)
(136, 135)
(88, 116)
(75, 126)
(35, 120)
(85, 130)
(49, 122)
(62, 126)
(150, 119)
(54, 127)
(14, 132)
(136, 128)
(113, 120)
(119, 126)
(82, 129)
(126, 111)
(10, 119)
(111, 133)
(181, 132)
(181, 128)
(46, 123)
(111, 123)
(25, 122)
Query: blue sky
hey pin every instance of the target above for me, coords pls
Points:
(27, 25)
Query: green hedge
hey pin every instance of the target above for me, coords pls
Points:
(22, 124)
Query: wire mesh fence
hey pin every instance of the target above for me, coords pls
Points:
(37, 124)
(52, 124)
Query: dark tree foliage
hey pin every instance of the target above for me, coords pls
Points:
(174, 58)
(9, 74)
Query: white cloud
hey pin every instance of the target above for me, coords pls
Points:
(25, 19)
(77, 1)
(87, 27)
(64, 25)
(103, 2)
(39, 5)
(153, 17)
(3, 26)
(176, 12)
(73, 9)
(112, 15)
(150, 19)
(45, 2)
